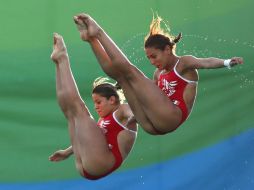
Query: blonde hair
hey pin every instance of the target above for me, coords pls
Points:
(158, 37)
(105, 88)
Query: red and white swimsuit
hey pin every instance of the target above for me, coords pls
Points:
(173, 84)
(111, 128)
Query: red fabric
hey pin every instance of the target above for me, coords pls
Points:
(111, 129)
(174, 87)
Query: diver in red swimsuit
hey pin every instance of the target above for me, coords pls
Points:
(153, 110)
(112, 129)
(173, 84)
(99, 148)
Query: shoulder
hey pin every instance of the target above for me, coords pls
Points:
(156, 75)
(187, 62)
(188, 58)
(123, 110)
(124, 106)
(156, 71)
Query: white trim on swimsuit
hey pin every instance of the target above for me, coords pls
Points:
(188, 81)
(121, 123)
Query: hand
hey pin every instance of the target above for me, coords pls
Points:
(59, 156)
(235, 61)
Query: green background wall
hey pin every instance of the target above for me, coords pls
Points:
(31, 124)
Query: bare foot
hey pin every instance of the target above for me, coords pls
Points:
(87, 27)
(82, 28)
(59, 49)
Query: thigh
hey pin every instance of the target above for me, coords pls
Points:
(77, 157)
(91, 145)
(159, 109)
(137, 108)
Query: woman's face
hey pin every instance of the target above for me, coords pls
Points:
(158, 58)
(102, 105)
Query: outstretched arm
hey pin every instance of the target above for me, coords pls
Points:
(211, 63)
(61, 154)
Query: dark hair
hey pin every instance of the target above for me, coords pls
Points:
(106, 89)
(160, 41)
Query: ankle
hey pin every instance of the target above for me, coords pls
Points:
(100, 32)
(62, 57)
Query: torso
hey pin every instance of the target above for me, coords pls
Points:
(116, 134)
(180, 90)
(112, 129)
